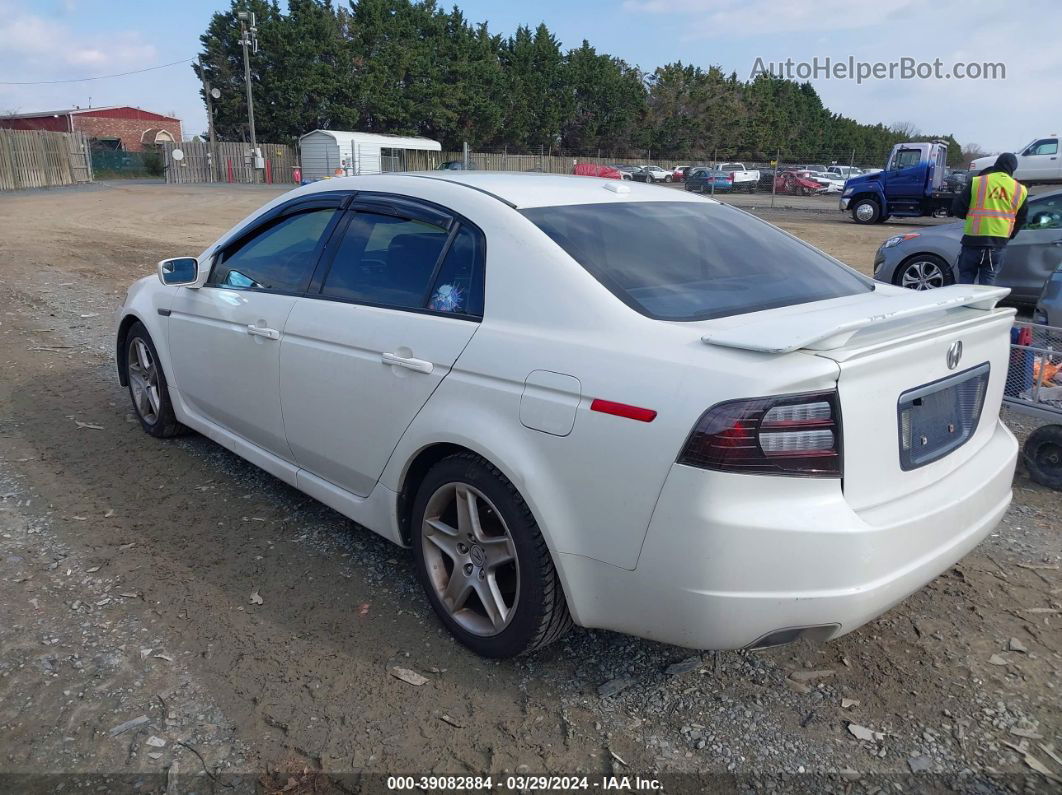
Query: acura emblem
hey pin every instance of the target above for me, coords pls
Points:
(954, 354)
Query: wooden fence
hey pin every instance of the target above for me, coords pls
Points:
(500, 161)
(40, 159)
(229, 162)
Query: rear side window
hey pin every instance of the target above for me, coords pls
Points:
(403, 263)
(280, 257)
(385, 260)
(693, 260)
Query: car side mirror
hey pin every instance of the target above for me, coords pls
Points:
(178, 271)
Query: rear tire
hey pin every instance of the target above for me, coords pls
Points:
(490, 579)
(1043, 456)
(866, 211)
(667, 178)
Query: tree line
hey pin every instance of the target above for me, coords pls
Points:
(411, 68)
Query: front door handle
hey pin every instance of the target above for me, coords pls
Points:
(417, 365)
(259, 331)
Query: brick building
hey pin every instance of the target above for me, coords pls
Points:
(115, 127)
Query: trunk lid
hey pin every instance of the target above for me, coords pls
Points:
(920, 378)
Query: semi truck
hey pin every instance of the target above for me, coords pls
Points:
(911, 185)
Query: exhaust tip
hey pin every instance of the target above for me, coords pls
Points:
(817, 633)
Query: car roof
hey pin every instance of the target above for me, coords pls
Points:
(524, 190)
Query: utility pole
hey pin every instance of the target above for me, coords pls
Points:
(249, 38)
(210, 122)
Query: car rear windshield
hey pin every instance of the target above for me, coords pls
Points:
(693, 260)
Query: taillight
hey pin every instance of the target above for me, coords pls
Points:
(786, 435)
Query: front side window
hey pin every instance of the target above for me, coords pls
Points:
(280, 257)
(906, 158)
(693, 260)
(1045, 212)
(1048, 146)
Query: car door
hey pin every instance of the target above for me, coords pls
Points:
(397, 298)
(1036, 251)
(224, 338)
(1040, 160)
(906, 176)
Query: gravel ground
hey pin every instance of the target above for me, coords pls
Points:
(172, 616)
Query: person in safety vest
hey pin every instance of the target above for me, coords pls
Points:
(994, 207)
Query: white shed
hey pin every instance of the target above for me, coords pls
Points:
(321, 152)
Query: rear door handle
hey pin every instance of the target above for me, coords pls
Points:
(417, 365)
(268, 333)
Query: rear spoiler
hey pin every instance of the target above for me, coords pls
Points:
(823, 329)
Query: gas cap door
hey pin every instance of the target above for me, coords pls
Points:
(549, 402)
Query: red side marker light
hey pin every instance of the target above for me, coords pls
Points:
(623, 410)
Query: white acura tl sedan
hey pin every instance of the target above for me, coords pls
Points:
(590, 401)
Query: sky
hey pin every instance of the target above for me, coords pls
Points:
(49, 40)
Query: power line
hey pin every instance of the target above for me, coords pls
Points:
(87, 79)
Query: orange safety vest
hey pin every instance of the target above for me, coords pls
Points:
(997, 198)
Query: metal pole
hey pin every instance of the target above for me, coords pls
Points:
(245, 41)
(715, 167)
(464, 153)
(210, 123)
(777, 170)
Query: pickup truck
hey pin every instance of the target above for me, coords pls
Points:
(911, 185)
(1039, 163)
(741, 178)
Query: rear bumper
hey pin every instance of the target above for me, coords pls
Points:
(729, 559)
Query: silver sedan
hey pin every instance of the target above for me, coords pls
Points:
(928, 258)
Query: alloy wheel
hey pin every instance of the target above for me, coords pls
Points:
(470, 559)
(922, 275)
(144, 381)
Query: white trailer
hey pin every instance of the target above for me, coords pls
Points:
(330, 153)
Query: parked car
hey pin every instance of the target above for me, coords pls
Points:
(679, 173)
(1049, 306)
(797, 183)
(742, 178)
(595, 170)
(455, 165)
(928, 258)
(956, 179)
(708, 180)
(810, 167)
(650, 174)
(767, 176)
(476, 365)
(846, 172)
(833, 183)
(626, 172)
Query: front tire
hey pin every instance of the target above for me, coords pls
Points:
(1043, 456)
(148, 389)
(482, 561)
(866, 211)
(923, 272)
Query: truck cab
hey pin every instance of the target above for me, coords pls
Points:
(911, 185)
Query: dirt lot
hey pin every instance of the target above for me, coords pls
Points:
(127, 567)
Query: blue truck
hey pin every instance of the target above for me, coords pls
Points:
(912, 184)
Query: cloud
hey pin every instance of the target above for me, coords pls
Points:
(34, 47)
(711, 18)
(995, 113)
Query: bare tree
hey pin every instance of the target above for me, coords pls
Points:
(971, 152)
(907, 129)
